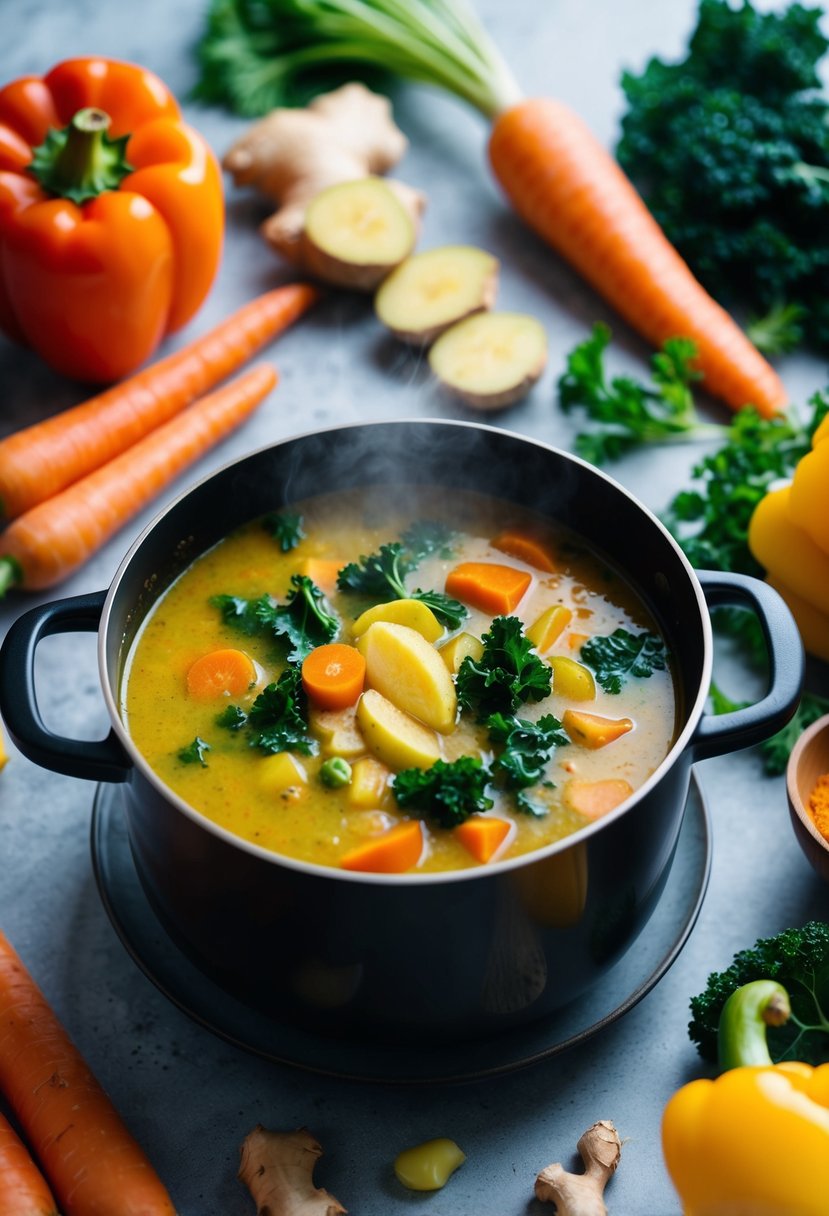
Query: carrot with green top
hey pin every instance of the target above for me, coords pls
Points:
(23, 1189)
(55, 538)
(91, 1160)
(41, 460)
(562, 182)
(488, 586)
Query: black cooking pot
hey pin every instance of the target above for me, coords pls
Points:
(404, 956)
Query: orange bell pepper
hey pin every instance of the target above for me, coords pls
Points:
(111, 216)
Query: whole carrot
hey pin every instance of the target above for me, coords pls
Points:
(564, 184)
(94, 1165)
(51, 541)
(43, 459)
(23, 1189)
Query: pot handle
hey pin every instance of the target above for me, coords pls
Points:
(96, 760)
(716, 734)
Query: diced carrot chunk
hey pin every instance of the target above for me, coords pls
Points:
(526, 548)
(576, 640)
(593, 799)
(490, 587)
(392, 853)
(592, 730)
(322, 571)
(482, 835)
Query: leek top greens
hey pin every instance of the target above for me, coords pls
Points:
(258, 54)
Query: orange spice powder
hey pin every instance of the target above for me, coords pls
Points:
(819, 805)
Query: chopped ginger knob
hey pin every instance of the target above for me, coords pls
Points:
(428, 1166)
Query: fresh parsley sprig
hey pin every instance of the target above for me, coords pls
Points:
(509, 672)
(276, 719)
(305, 619)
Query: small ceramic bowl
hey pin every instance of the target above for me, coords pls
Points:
(809, 759)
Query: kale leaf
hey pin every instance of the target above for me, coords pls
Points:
(797, 958)
(730, 148)
(194, 752)
(508, 673)
(233, 717)
(384, 572)
(630, 413)
(276, 719)
(285, 527)
(241, 614)
(527, 746)
(304, 620)
(621, 654)
(448, 793)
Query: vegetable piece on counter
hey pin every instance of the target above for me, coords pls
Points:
(293, 156)
(278, 1170)
(356, 233)
(582, 1194)
(395, 852)
(508, 673)
(23, 1189)
(488, 586)
(434, 289)
(90, 1159)
(221, 673)
(98, 170)
(755, 1139)
(490, 360)
(54, 539)
(407, 670)
(483, 835)
(393, 736)
(782, 547)
(730, 148)
(797, 958)
(559, 178)
(41, 460)
(446, 793)
(333, 675)
(625, 413)
(623, 654)
(428, 1166)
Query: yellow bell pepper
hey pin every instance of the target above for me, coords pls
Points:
(809, 498)
(754, 1141)
(784, 550)
(812, 624)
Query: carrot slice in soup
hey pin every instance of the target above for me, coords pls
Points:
(488, 586)
(526, 548)
(219, 673)
(596, 798)
(482, 835)
(392, 853)
(333, 675)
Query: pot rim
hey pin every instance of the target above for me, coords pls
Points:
(409, 879)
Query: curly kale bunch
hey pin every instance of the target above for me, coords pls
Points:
(730, 149)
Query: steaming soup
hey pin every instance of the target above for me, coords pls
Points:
(500, 685)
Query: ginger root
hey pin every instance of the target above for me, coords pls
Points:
(292, 155)
(278, 1170)
(582, 1194)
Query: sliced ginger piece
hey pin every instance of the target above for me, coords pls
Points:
(394, 737)
(432, 290)
(278, 1170)
(490, 360)
(410, 673)
(356, 232)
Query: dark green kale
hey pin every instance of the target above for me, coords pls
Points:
(525, 805)
(304, 620)
(194, 752)
(276, 720)
(448, 793)
(799, 960)
(622, 654)
(526, 747)
(627, 412)
(508, 673)
(383, 573)
(730, 149)
(232, 718)
(427, 536)
(285, 527)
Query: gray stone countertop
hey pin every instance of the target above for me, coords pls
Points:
(190, 1096)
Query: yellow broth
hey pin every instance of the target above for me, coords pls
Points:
(305, 819)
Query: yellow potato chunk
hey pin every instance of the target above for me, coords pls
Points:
(337, 731)
(549, 626)
(413, 613)
(410, 673)
(571, 679)
(282, 773)
(369, 784)
(396, 739)
(455, 651)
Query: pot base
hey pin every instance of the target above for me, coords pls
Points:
(632, 978)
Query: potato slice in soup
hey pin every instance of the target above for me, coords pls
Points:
(410, 673)
(392, 736)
